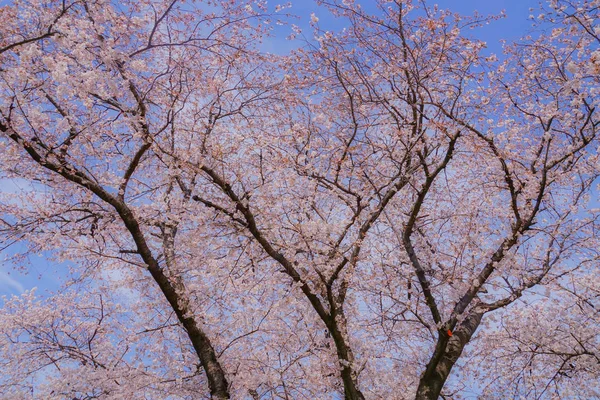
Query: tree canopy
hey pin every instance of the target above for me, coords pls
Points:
(383, 212)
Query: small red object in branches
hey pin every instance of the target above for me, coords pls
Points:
(449, 333)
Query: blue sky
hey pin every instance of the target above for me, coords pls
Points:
(35, 270)
(515, 25)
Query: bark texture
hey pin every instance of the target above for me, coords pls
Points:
(447, 351)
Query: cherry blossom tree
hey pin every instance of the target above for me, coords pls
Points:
(385, 212)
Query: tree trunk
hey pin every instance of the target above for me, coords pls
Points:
(447, 351)
(346, 358)
(217, 380)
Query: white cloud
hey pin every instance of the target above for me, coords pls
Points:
(9, 285)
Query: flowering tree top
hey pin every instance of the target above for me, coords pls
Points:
(384, 212)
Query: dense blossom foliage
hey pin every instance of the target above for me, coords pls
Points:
(386, 212)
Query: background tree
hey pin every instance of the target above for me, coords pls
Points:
(380, 210)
